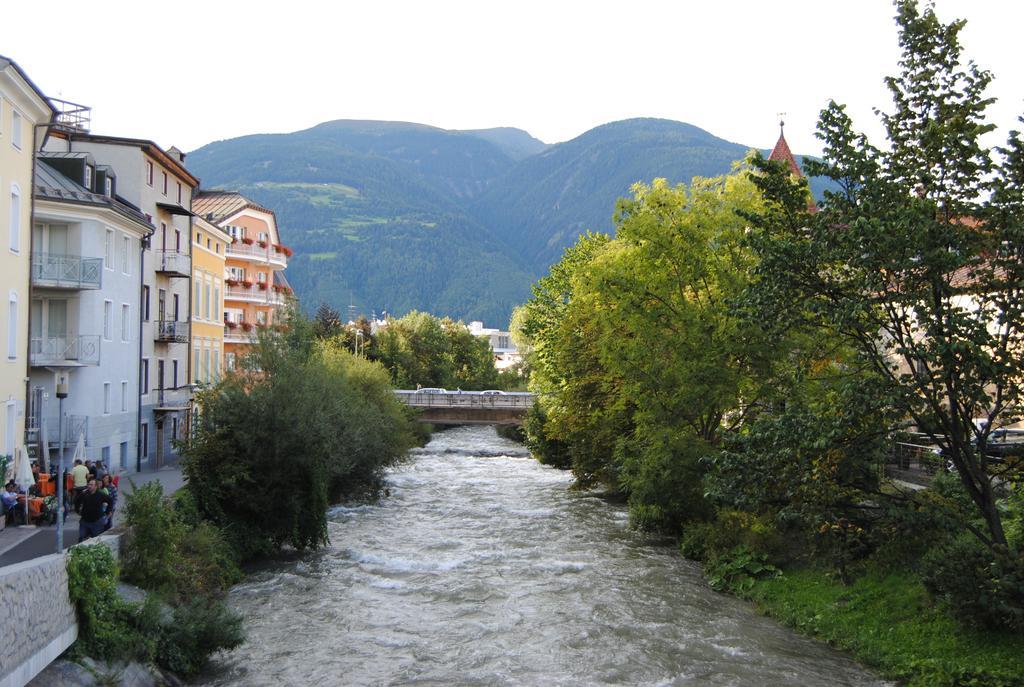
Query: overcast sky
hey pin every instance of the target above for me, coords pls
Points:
(187, 73)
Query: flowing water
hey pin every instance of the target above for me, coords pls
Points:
(482, 568)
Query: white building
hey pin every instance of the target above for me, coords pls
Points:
(157, 183)
(86, 286)
(506, 354)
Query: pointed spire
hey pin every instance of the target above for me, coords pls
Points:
(782, 153)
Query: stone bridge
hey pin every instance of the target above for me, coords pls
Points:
(468, 407)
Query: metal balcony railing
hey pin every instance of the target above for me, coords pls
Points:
(173, 263)
(174, 399)
(66, 271)
(65, 350)
(172, 331)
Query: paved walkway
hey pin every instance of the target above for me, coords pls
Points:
(24, 543)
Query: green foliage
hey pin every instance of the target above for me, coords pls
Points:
(546, 450)
(420, 349)
(302, 424)
(889, 622)
(915, 263)
(197, 630)
(731, 529)
(739, 570)
(107, 627)
(980, 588)
(150, 557)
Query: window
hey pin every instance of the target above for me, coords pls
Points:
(174, 374)
(108, 186)
(108, 250)
(217, 248)
(144, 377)
(124, 456)
(208, 242)
(229, 361)
(10, 431)
(144, 440)
(216, 298)
(15, 218)
(261, 277)
(145, 303)
(124, 396)
(16, 129)
(216, 361)
(261, 317)
(108, 314)
(206, 301)
(105, 456)
(126, 263)
(199, 238)
(12, 325)
(197, 377)
(126, 320)
(198, 308)
(164, 174)
(149, 173)
(206, 364)
(176, 311)
(88, 177)
(179, 193)
(106, 398)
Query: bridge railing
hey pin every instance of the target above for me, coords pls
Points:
(465, 399)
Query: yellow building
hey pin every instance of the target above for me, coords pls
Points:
(209, 246)
(255, 288)
(23, 108)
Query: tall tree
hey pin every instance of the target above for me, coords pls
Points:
(915, 262)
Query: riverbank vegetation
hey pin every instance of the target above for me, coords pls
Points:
(302, 423)
(737, 363)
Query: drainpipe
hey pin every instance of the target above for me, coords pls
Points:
(142, 322)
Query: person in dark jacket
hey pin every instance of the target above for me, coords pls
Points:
(93, 505)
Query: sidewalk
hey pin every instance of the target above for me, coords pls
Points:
(22, 543)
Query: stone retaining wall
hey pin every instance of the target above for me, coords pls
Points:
(37, 617)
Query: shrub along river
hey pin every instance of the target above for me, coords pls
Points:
(483, 567)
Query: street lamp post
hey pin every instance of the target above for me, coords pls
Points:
(62, 393)
(359, 340)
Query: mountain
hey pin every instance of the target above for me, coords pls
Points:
(402, 216)
(515, 143)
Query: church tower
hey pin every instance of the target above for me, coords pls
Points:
(782, 153)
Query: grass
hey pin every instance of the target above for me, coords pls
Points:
(890, 624)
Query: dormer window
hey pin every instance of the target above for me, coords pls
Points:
(108, 187)
(88, 177)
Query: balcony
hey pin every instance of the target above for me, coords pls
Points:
(277, 255)
(65, 351)
(238, 333)
(260, 293)
(171, 331)
(173, 399)
(173, 263)
(53, 271)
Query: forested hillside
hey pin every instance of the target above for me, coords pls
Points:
(399, 216)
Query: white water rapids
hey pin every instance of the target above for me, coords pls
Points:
(482, 567)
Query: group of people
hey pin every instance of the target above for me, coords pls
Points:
(93, 496)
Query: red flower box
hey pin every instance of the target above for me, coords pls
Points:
(231, 325)
(247, 284)
(247, 241)
(246, 326)
(232, 282)
(262, 285)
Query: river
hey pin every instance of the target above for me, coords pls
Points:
(482, 567)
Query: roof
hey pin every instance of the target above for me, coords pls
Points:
(217, 206)
(782, 153)
(6, 62)
(52, 185)
(145, 145)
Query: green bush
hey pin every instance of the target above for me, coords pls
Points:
(197, 631)
(738, 570)
(705, 541)
(982, 587)
(171, 551)
(108, 625)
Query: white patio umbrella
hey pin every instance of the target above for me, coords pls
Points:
(79, 449)
(23, 475)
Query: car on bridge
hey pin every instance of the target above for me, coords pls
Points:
(431, 390)
(492, 392)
